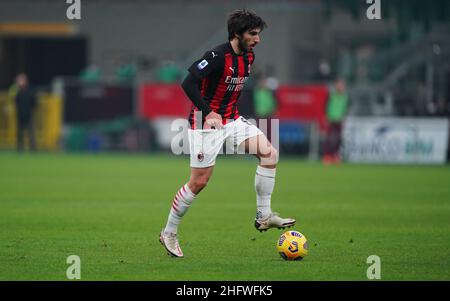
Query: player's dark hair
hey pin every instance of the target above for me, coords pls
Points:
(242, 20)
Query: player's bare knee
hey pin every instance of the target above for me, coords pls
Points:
(271, 159)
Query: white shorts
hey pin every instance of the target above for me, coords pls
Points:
(205, 145)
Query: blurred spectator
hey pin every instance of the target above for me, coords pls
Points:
(91, 74)
(169, 72)
(265, 102)
(336, 110)
(25, 104)
(126, 72)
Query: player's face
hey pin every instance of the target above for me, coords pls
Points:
(249, 39)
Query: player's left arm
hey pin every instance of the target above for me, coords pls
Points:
(211, 62)
(191, 88)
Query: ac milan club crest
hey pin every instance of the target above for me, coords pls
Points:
(200, 156)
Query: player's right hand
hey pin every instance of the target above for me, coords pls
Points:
(213, 121)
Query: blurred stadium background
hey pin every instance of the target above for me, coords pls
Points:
(108, 88)
(110, 81)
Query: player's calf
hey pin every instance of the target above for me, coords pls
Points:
(198, 184)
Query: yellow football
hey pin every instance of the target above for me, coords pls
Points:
(292, 245)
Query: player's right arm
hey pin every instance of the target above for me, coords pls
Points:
(212, 61)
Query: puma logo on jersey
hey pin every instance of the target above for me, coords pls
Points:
(214, 54)
(232, 69)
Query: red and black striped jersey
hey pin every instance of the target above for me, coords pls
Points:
(223, 74)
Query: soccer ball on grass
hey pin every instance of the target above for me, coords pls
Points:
(292, 245)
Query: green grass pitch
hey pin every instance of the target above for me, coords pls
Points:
(109, 209)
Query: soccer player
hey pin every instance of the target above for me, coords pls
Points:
(214, 84)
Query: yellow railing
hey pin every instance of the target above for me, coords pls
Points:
(47, 119)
